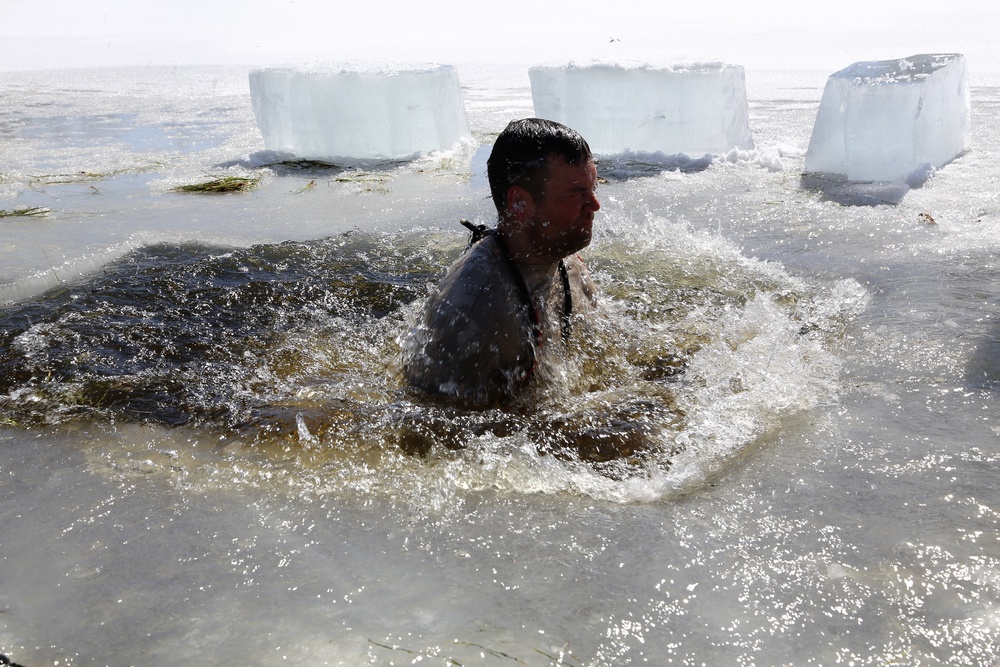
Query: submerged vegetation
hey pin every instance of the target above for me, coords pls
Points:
(24, 212)
(222, 184)
(85, 176)
(304, 165)
(365, 181)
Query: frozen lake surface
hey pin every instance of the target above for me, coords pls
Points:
(203, 428)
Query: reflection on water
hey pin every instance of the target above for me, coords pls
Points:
(296, 345)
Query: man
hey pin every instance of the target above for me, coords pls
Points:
(510, 301)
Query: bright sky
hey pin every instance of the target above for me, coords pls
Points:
(38, 34)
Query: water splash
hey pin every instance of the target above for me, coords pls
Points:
(286, 357)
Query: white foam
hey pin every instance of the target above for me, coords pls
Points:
(692, 110)
(892, 120)
(377, 112)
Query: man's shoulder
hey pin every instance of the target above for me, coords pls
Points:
(485, 255)
(476, 270)
(476, 295)
(581, 281)
(472, 341)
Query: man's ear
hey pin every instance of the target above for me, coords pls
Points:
(520, 203)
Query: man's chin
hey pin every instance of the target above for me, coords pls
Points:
(581, 243)
(569, 244)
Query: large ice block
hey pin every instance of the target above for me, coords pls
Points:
(359, 113)
(623, 108)
(891, 120)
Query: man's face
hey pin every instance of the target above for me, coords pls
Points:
(564, 214)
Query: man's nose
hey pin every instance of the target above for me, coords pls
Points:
(592, 202)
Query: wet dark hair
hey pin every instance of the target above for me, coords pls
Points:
(520, 151)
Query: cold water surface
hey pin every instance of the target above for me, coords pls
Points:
(204, 441)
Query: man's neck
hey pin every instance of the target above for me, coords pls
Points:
(521, 247)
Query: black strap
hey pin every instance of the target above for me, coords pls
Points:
(566, 322)
(479, 232)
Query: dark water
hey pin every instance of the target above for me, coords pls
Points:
(298, 343)
(176, 334)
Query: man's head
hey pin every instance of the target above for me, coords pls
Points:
(519, 155)
(542, 178)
